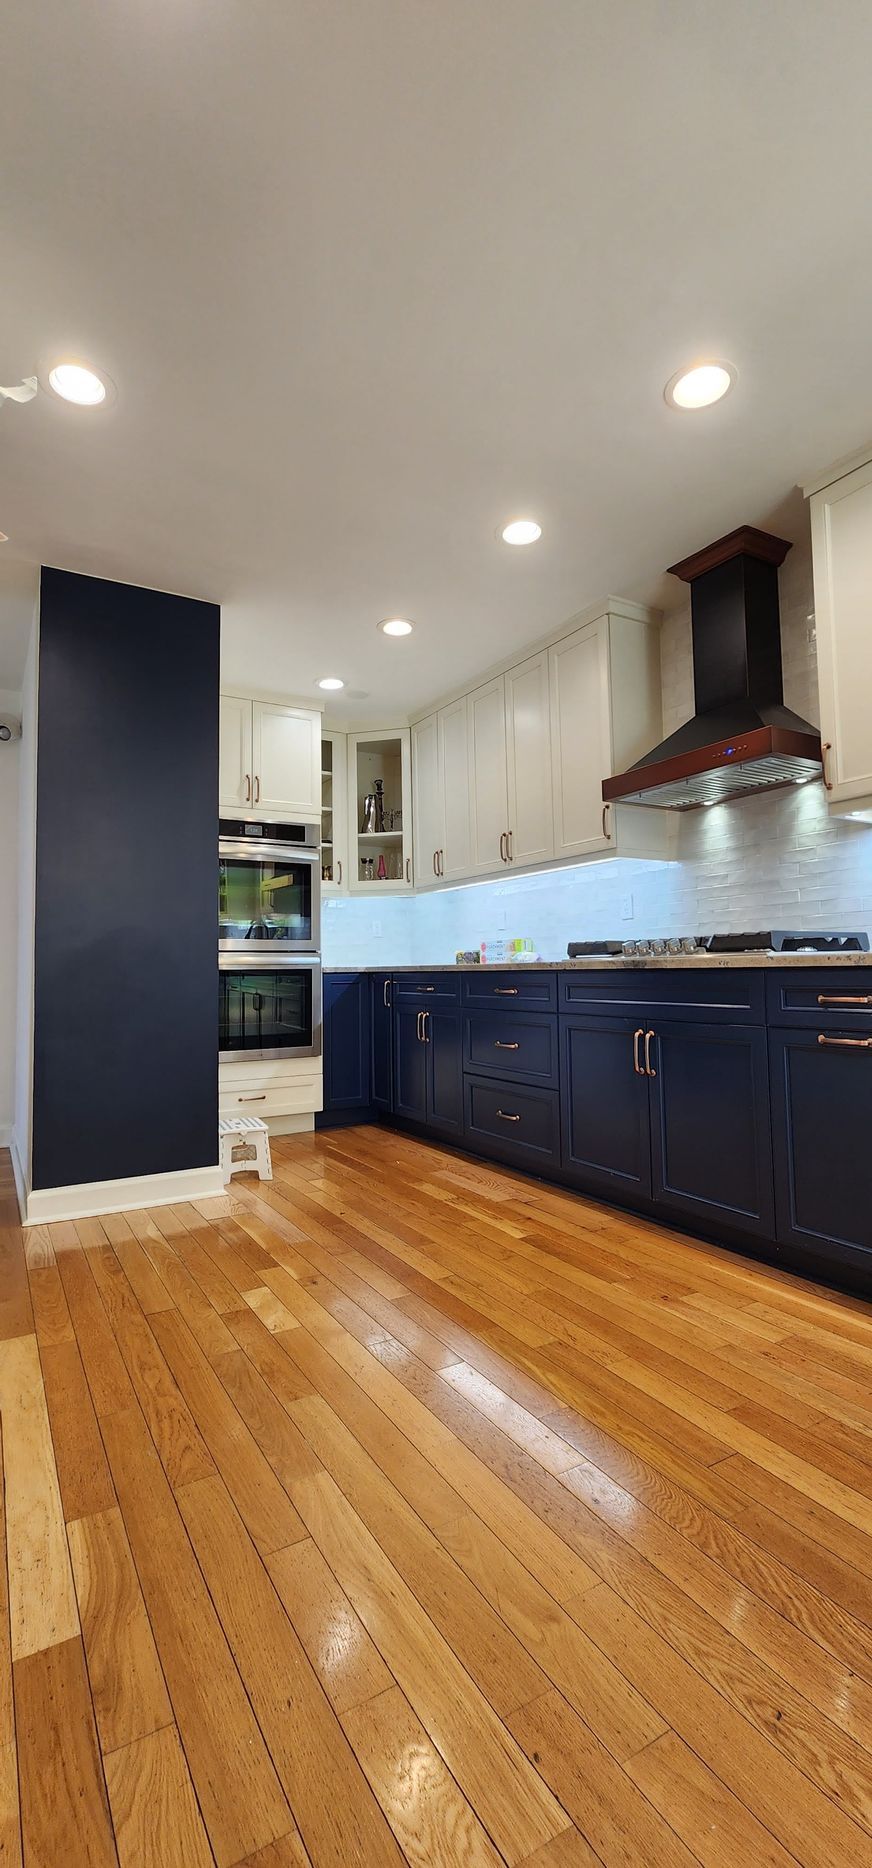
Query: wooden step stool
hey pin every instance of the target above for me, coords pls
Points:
(249, 1137)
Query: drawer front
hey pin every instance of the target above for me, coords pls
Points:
(515, 1045)
(514, 990)
(828, 998)
(730, 995)
(522, 1125)
(424, 988)
(289, 1099)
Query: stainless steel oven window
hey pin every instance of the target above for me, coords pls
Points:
(267, 1009)
(269, 897)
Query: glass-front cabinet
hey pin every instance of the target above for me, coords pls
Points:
(334, 814)
(380, 814)
(366, 817)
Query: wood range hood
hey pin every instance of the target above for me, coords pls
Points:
(741, 739)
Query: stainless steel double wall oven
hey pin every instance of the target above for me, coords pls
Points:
(269, 939)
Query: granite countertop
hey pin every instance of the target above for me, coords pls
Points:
(631, 963)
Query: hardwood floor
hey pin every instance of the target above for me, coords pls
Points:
(407, 1510)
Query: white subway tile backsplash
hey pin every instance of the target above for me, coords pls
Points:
(773, 860)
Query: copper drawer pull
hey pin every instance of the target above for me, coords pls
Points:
(425, 989)
(606, 821)
(845, 1044)
(848, 998)
(500, 1046)
(435, 862)
(257, 789)
(252, 1099)
(247, 788)
(636, 1064)
(506, 992)
(826, 747)
(506, 1118)
(649, 1068)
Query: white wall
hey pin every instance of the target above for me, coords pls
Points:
(10, 703)
(21, 1138)
(767, 861)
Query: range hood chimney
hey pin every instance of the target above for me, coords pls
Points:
(742, 738)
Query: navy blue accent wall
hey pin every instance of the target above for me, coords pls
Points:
(126, 991)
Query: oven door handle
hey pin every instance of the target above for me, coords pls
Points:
(232, 849)
(275, 962)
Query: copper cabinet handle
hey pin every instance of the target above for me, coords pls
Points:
(500, 1046)
(435, 862)
(408, 868)
(844, 1044)
(636, 1064)
(252, 1099)
(257, 788)
(247, 788)
(825, 748)
(510, 854)
(504, 1117)
(606, 831)
(425, 1022)
(418, 1018)
(441, 862)
(847, 998)
(339, 868)
(386, 993)
(649, 1068)
(506, 992)
(502, 846)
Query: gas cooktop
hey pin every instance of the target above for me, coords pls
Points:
(776, 940)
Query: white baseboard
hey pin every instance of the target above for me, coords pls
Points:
(119, 1196)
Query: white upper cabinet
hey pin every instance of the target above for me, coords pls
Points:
(269, 758)
(488, 786)
(605, 714)
(528, 761)
(427, 819)
(453, 732)
(286, 748)
(581, 747)
(235, 779)
(841, 533)
(380, 813)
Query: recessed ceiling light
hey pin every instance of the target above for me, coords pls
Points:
(76, 383)
(699, 386)
(521, 532)
(396, 626)
(331, 682)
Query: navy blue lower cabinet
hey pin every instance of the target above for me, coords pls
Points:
(516, 1123)
(410, 1064)
(606, 1141)
(382, 1025)
(519, 1045)
(822, 1146)
(428, 1067)
(346, 1045)
(710, 1132)
(445, 1071)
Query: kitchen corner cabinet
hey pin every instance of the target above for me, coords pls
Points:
(269, 759)
(841, 535)
(347, 1047)
(380, 860)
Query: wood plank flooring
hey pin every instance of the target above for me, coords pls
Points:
(404, 1510)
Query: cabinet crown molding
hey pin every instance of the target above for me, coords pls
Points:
(848, 464)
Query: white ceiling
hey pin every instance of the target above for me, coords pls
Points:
(374, 276)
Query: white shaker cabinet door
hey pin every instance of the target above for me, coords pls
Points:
(454, 790)
(528, 752)
(581, 739)
(488, 789)
(841, 530)
(287, 760)
(235, 771)
(426, 800)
